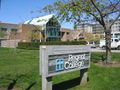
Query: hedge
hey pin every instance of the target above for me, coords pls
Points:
(32, 46)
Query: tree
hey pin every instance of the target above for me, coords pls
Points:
(36, 34)
(91, 37)
(2, 33)
(78, 11)
(13, 34)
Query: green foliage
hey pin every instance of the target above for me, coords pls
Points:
(2, 34)
(101, 78)
(15, 63)
(78, 11)
(81, 10)
(24, 63)
(29, 45)
(97, 56)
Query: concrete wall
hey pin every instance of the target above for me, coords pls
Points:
(9, 43)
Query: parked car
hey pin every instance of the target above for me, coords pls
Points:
(115, 44)
(115, 41)
(92, 44)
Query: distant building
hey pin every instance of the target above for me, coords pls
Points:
(50, 26)
(18, 31)
(41, 29)
(8, 29)
(85, 28)
(65, 34)
(30, 33)
(97, 29)
(10, 34)
(116, 26)
(71, 35)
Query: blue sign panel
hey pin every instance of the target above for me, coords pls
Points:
(59, 64)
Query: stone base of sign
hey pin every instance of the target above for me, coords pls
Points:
(83, 77)
(46, 83)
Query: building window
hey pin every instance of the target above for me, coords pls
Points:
(13, 30)
(67, 33)
(3, 29)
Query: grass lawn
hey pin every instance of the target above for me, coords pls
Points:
(22, 67)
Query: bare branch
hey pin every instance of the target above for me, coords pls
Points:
(110, 2)
(110, 13)
(112, 10)
(115, 20)
(101, 16)
(97, 19)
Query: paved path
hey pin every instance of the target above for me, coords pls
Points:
(100, 50)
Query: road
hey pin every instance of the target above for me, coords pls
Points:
(101, 50)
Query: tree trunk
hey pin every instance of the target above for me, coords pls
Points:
(108, 46)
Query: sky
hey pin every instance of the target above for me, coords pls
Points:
(18, 11)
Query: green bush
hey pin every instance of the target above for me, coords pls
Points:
(32, 46)
(96, 56)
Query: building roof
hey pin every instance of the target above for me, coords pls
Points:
(39, 20)
(66, 30)
(11, 24)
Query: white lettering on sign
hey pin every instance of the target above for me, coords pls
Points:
(74, 61)
(55, 59)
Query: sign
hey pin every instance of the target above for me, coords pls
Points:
(62, 59)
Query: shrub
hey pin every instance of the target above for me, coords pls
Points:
(97, 56)
(31, 45)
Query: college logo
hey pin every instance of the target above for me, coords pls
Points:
(74, 61)
(59, 64)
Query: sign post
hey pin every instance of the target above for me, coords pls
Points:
(56, 60)
(83, 77)
(46, 83)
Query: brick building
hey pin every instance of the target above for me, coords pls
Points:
(8, 29)
(71, 35)
(27, 31)
(50, 27)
